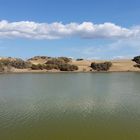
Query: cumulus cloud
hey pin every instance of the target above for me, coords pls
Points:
(56, 30)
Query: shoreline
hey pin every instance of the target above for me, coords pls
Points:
(52, 72)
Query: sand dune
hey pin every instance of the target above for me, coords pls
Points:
(117, 65)
(120, 65)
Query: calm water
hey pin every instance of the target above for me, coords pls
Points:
(72, 106)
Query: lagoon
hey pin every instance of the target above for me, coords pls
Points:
(70, 106)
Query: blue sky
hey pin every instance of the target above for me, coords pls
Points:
(118, 38)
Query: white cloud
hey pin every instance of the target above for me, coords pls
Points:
(33, 30)
(118, 49)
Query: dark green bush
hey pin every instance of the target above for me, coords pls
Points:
(1, 68)
(65, 59)
(79, 59)
(55, 61)
(38, 57)
(101, 66)
(51, 66)
(68, 67)
(137, 65)
(44, 66)
(136, 59)
(61, 63)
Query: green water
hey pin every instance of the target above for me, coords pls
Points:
(70, 106)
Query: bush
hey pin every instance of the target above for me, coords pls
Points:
(136, 59)
(61, 64)
(38, 57)
(51, 66)
(137, 65)
(1, 68)
(20, 64)
(44, 66)
(16, 63)
(68, 67)
(55, 61)
(37, 67)
(5, 68)
(101, 66)
(79, 59)
(61, 67)
(65, 59)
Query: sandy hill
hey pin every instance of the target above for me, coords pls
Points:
(18, 65)
(84, 65)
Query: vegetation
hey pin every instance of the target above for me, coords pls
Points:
(16, 63)
(37, 67)
(60, 63)
(137, 65)
(101, 66)
(61, 67)
(65, 59)
(38, 57)
(79, 59)
(55, 61)
(49, 63)
(51, 66)
(44, 67)
(136, 59)
(68, 67)
(1, 68)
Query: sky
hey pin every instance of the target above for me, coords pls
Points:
(91, 29)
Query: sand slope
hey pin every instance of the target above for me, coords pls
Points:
(117, 65)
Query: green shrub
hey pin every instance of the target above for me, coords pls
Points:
(101, 66)
(20, 64)
(65, 59)
(55, 61)
(79, 59)
(38, 57)
(44, 66)
(136, 59)
(60, 63)
(137, 65)
(1, 68)
(68, 67)
(51, 66)
(16, 63)
(37, 67)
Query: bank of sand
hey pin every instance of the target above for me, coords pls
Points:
(117, 65)
(121, 65)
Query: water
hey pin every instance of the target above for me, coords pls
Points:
(70, 106)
